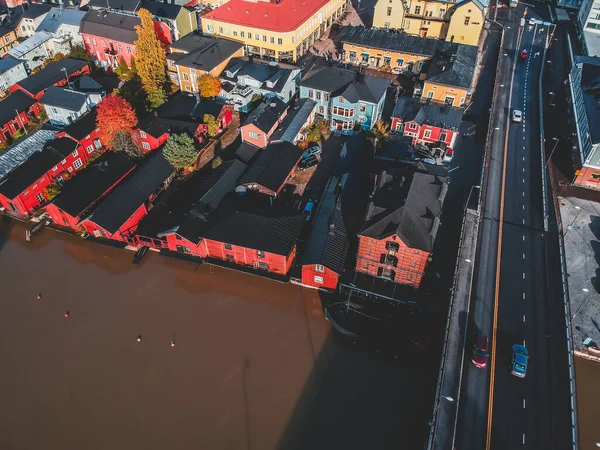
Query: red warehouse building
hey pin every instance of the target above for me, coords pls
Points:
(401, 225)
(84, 131)
(426, 123)
(250, 231)
(271, 169)
(15, 113)
(324, 256)
(108, 36)
(263, 122)
(79, 194)
(23, 190)
(53, 75)
(118, 215)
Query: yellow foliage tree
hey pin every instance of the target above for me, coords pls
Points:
(150, 62)
(209, 86)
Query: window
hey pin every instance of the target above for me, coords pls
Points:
(407, 24)
(89, 41)
(260, 254)
(417, 10)
(467, 20)
(326, 97)
(318, 279)
(120, 48)
(254, 135)
(427, 134)
(97, 143)
(279, 41)
(443, 136)
(129, 50)
(221, 30)
(256, 37)
(142, 134)
(235, 33)
(78, 164)
(442, 13)
(227, 31)
(75, 153)
(228, 247)
(103, 43)
(362, 108)
(319, 268)
(95, 43)
(386, 25)
(318, 95)
(310, 93)
(430, 95)
(419, 65)
(242, 34)
(272, 40)
(40, 197)
(400, 62)
(90, 148)
(389, 11)
(145, 146)
(449, 100)
(186, 77)
(55, 168)
(343, 111)
(352, 56)
(210, 28)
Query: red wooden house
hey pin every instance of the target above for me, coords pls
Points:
(15, 113)
(324, 256)
(79, 194)
(426, 123)
(273, 166)
(263, 122)
(84, 131)
(249, 231)
(401, 225)
(53, 75)
(118, 215)
(109, 36)
(23, 190)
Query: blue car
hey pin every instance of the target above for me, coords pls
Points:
(520, 355)
(314, 150)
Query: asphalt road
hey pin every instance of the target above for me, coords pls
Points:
(522, 409)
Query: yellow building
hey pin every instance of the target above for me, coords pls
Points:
(448, 20)
(445, 69)
(282, 31)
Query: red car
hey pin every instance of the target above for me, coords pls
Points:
(479, 358)
(524, 54)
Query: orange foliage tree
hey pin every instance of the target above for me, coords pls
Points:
(209, 86)
(115, 114)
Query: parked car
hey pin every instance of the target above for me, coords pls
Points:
(520, 355)
(448, 155)
(479, 358)
(308, 209)
(314, 150)
(517, 116)
(308, 162)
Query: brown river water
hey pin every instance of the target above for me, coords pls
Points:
(255, 364)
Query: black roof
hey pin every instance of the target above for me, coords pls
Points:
(160, 9)
(18, 101)
(273, 165)
(183, 106)
(246, 152)
(157, 126)
(270, 76)
(408, 204)
(208, 107)
(35, 10)
(267, 114)
(353, 86)
(11, 22)
(454, 66)
(208, 196)
(87, 84)
(442, 116)
(328, 241)
(203, 52)
(36, 166)
(137, 188)
(84, 126)
(63, 98)
(250, 221)
(81, 192)
(51, 75)
(118, 5)
(110, 25)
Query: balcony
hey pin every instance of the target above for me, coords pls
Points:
(110, 51)
(242, 91)
(388, 260)
(392, 247)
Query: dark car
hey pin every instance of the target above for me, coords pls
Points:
(520, 355)
(308, 162)
(314, 150)
(479, 358)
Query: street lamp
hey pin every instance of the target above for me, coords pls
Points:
(553, 148)
(444, 397)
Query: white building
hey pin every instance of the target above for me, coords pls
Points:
(32, 18)
(12, 70)
(33, 50)
(63, 24)
(589, 24)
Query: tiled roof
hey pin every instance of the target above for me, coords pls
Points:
(266, 115)
(51, 75)
(353, 86)
(81, 192)
(441, 116)
(8, 62)
(63, 98)
(56, 17)
(250, 221)
(84, 126)
(328, 241)
(37, 165)
(110, 25)
(203, 52)
(409, 205)
(295, 120)
(453, 67)
(126, 198)
(286, 15)
(12, 157)
(18, 101)
(273, 165)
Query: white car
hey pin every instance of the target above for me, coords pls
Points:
(532, 21)
(517, 116)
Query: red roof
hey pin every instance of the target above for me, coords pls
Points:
(285, 16)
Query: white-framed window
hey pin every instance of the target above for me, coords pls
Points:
(70, 169)
(235, 33)
(209, 28)
(279, 41)
(55, 168)
(89, 41)
(143, 134)
(318, 279)
(272, 40)
(40, 197)
(362, 108)
(120, 48)
(254, 135)
(75, 153)
(78, 164)
(443, 136)
(186, 77)
(90, 148)
(145, 146)
(97, 143)
(221, 30)
(64, 161)
(427, 134)
(242, 34)
(95, 43)
(129, 50)
(256, 37)
(319, 268)
(310, 93)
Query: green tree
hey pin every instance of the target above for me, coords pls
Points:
(150, 63)
(180, 150)
(216, 162)
(381, 132)
(312, 133)
(122, 142)
(213, 125)
(79, 52)
(52, 191)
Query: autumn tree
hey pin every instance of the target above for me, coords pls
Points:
(209, 86)
(79, 52)
(381, 132)
(123, 142)
(114, 114)
(180, 150)
(213, 125)
(54, 59)
(122, 71)
(150, 64)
